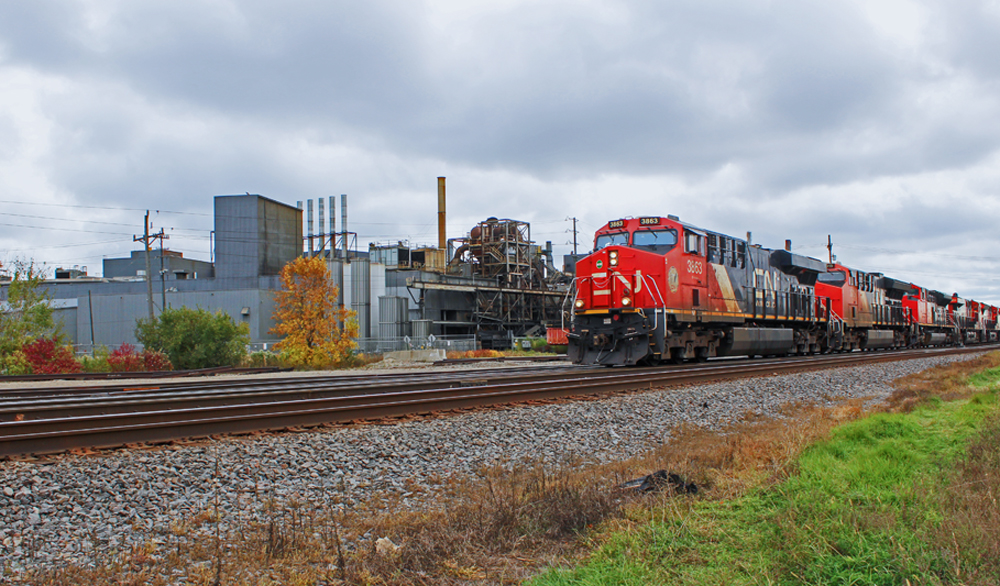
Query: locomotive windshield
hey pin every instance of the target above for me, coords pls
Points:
(659, 241)
(611, 239)
(833, 278)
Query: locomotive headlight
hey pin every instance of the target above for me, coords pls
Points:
(579, 304)
(613, 258)
(626, 301)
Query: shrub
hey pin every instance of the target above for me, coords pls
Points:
(261, 359)
(46, 356)
(15, 363)
(28, 315)
(97, 362)
(154, 360)
(195, 338)
(540, 345)
(125, 358)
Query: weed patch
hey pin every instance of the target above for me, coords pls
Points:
(893, 498)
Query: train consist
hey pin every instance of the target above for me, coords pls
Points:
(659, 290)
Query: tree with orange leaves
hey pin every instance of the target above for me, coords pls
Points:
(306, 314)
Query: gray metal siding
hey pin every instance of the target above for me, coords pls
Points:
(65, 319)
(136, 262)
(236, 253)
(115, 315)
(279, 234)
(114, 319)
(255, 236)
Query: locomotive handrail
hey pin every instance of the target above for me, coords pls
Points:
(646, 279)
(562, 312)
(663, 303)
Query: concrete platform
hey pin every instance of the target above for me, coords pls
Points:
(416, 355)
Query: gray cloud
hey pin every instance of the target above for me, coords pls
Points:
(789, 118)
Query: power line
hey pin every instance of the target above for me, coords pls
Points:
(60, 205)
(64, 219)
(938, 254)
(75, 245)
(64, 229)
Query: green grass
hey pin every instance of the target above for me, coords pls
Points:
(989, 379)
(859, 509)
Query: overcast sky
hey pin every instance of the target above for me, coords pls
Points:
(877, 122)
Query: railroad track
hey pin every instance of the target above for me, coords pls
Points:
(56, 419)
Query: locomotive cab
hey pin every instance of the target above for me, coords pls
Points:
(619, 299)
(656, 289)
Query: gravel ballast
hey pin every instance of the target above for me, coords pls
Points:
(80, 509)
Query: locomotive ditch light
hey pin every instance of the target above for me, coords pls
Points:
(626, 301)
(579, 304)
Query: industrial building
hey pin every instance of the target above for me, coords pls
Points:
(482, 289)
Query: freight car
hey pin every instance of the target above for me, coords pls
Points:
(656, 289)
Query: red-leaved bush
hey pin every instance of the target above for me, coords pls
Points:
(156, 360)
(125, 359)
(47, 357)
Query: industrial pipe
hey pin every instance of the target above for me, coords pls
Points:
(442, 236)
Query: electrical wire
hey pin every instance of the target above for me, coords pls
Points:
(60, 205)
(64, 229)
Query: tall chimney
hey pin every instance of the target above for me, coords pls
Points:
(309, 224)
(340, 265)
(343, 220)
(333, 227)
(322, 226)
(442, 234)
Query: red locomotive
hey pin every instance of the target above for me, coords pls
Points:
(656, 289)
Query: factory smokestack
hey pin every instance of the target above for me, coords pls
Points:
(343, 220)
(333, 227)
(442, 234)
(322, 226)
(309, 224)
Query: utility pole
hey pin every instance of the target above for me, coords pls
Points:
(163, 271)
(146, 238)
(149, 282)
(829, 246)
(574, 234)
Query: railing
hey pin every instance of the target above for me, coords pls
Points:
(88, 349)
(836, 323)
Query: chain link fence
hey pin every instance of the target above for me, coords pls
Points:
(365, 345)
(446, 343)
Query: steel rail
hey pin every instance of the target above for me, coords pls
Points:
(40, 436)
(8, 393)
(306, 388)
(34, 407)
(132, 402)
(146, 374)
